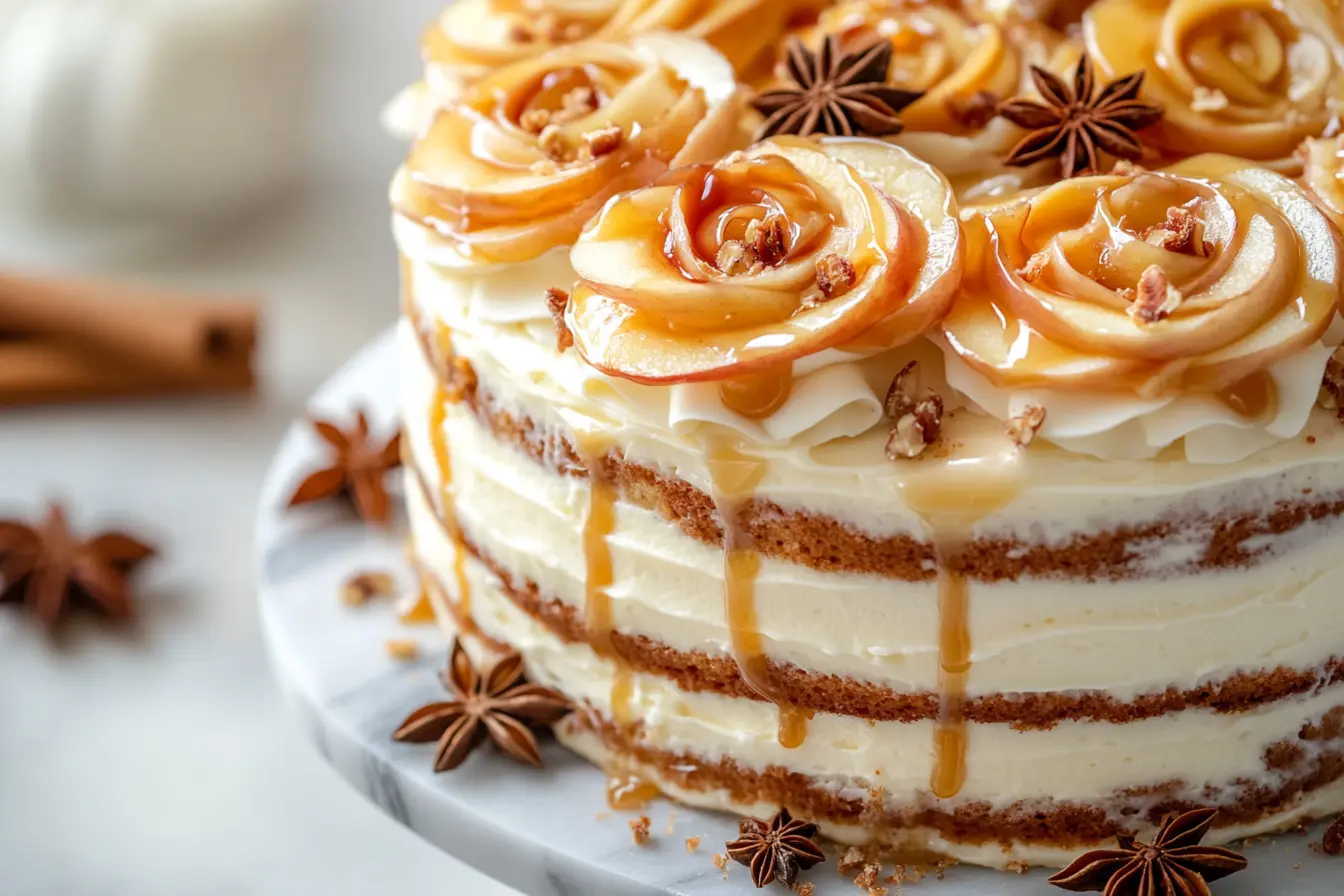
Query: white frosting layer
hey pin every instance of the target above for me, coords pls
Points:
(1118, 427)
(836, 395)
(1124, 638)
(852, 755)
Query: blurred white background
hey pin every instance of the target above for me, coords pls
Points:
(159, 761)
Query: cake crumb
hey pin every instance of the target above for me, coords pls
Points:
(639, 830)
(867, 880)
(1332, 843)
(463, 381)
(905, 874)
(671, 821)
(721, 863)
(851, 862)
(803, 888)
(1018, 867)
(602, 816)
(692, 844)
(403, 649)
(363, 587)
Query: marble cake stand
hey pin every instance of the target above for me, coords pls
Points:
(546, 833)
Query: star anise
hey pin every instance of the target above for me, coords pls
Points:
(357, 471)
(843, 95)
(1173, 865)
(46, 566)
(776, 849)
(499, 704)
(1077, 122)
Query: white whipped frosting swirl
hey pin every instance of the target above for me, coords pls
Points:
(1124, 427)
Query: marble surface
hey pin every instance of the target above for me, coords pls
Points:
(545, 832)
(159, 761)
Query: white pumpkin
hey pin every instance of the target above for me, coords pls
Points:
(152, 109)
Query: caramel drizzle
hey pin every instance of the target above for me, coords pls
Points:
(443, 461)
(598, 527)
(954, 666)
(734, 478)
(950, 502)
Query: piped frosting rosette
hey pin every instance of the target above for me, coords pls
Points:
(740, 268)
(530, 153)
(1142, 308)
(472, 38)
(1254, 77)
(963, 62)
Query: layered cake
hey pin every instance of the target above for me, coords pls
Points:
(922, 429)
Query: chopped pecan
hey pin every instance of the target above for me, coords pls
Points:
(553, 143)
(903, 392)
(835, 275)
(534, 121)
(917, 430)
(1332, 385)
(557, 300)
(767, 239)
(1155, 298)
(1177, 233)
(603, 141)
(1022, 429)
(735, 257)
(640, 830)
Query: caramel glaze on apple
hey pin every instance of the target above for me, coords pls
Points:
(735, 477)
(1251, 295)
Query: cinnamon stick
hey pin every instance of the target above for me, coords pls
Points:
(155, 332)
(37, 372)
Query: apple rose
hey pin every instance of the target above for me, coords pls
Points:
(531, 152)
(1254, 77)
(772, 254)
(472, 38)
(1188, 280)
(1323, 174)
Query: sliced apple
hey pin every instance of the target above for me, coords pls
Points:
(1276, 294)
(624, 320)
(485, 183)
(1182, 47)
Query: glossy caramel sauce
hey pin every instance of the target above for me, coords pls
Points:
(628, 792)
(1095, 238)
(735, 478)
(1254, 398)
(443, 461)
(758, 395)
(598, 527)
(951, 500)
